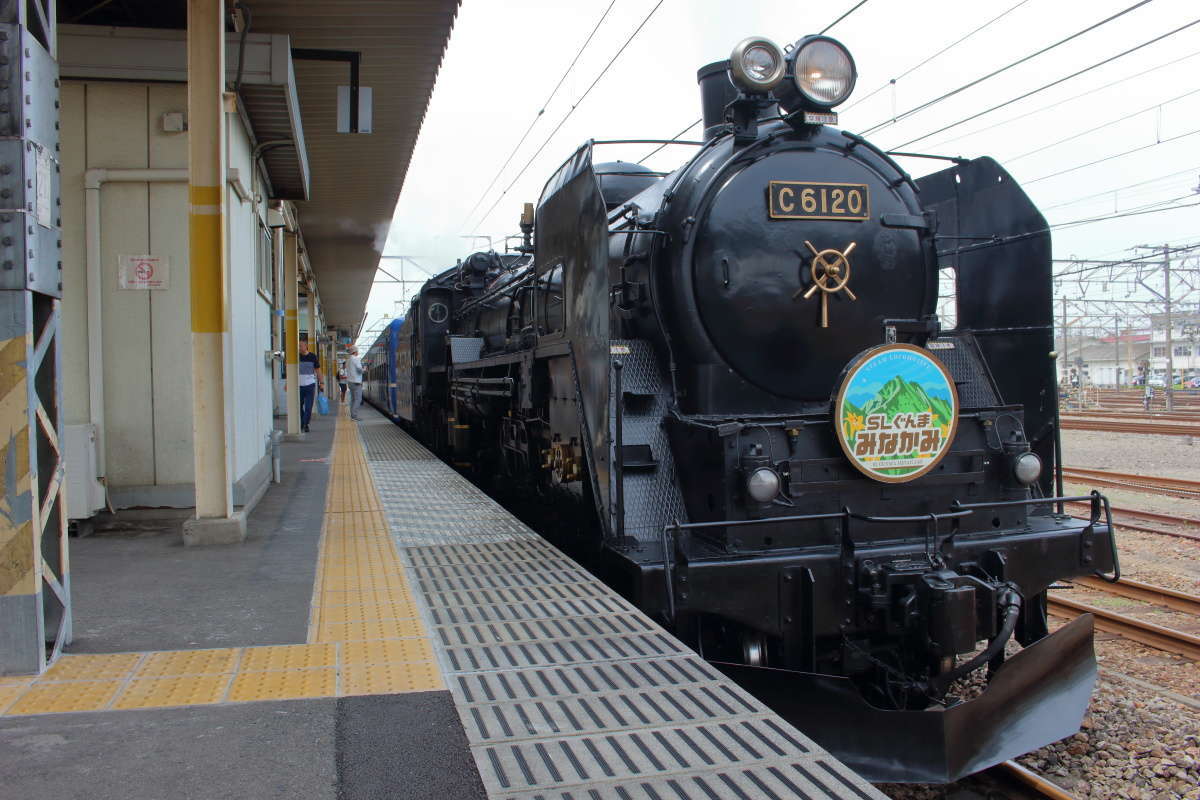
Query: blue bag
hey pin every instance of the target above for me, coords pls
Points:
(322, 404)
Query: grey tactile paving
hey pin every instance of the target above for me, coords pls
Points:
(532, 594)
(506, 612)
(717, 748)
(536, 630)
(565, 650)
(565, 690)
(819, 778)
(581, 680)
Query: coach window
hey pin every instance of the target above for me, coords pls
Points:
(551, 291)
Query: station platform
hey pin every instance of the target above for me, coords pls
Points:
(386, 630)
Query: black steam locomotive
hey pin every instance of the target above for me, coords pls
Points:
(727, 390)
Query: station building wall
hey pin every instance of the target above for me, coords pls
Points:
(147, 380)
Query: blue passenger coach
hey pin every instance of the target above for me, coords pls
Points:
(380, 385)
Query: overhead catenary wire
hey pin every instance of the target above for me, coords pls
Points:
(1083, 266)
(939, 53)
(1003, 240)
(856, 7)
(574, 106)
(1058, 104)
(1191, 171)
(971, 84)
(1112, 157)
(676, 136)
(1106, 124)
(1116, 190)
(539, 114)
(1051, 84)
(694, 123)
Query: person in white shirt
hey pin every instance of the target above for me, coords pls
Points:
(354, 377)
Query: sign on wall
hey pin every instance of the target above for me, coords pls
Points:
(144, 272)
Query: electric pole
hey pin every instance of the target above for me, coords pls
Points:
(1117, 352)
(1170, 343)
(1065, 358)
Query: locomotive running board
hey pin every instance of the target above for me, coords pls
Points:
(1039, 696)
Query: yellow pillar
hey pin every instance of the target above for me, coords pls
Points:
(291, 330)
(214, 522)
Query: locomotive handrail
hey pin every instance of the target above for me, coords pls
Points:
(957, 510)
(912, 518)
(1033, 501)
(519, 283)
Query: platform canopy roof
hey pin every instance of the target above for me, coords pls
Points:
(355, 178)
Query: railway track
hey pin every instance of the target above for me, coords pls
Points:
(1135, 414)
(1127, 627)
(1143, 483)
(1146, 592)
(1123, 425)
(1129, 518)
(1012, 774)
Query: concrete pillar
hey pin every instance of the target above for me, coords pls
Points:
(215, 522)
(328, 368)
(291, 327)
(312, 318)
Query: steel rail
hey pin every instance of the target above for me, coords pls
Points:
(1030, 779)
(1147, 633)
(1145, 483)
(1135, 413)
(1153, 516)
(1145, 592)
(1071, 422)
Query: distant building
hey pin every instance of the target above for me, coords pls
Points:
(1104, 361)
(1185, 343)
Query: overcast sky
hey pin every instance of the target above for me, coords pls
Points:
(504, 59)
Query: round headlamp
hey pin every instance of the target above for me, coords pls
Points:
(757, 64)
(823, 71)
(763, 485)
(1027, 468)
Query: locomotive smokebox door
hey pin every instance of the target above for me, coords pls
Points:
(796, 263)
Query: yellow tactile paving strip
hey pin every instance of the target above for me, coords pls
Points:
(365, 633)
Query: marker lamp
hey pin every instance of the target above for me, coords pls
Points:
(757, 64)
(763, 485)
(1027, 468)
(824, 72)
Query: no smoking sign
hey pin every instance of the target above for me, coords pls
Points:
(144, 272)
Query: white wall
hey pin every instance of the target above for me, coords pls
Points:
(147, 334)
(248, 378)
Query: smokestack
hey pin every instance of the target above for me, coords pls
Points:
(716, 92)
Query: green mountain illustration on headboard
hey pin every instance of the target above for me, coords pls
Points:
(899, 396)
